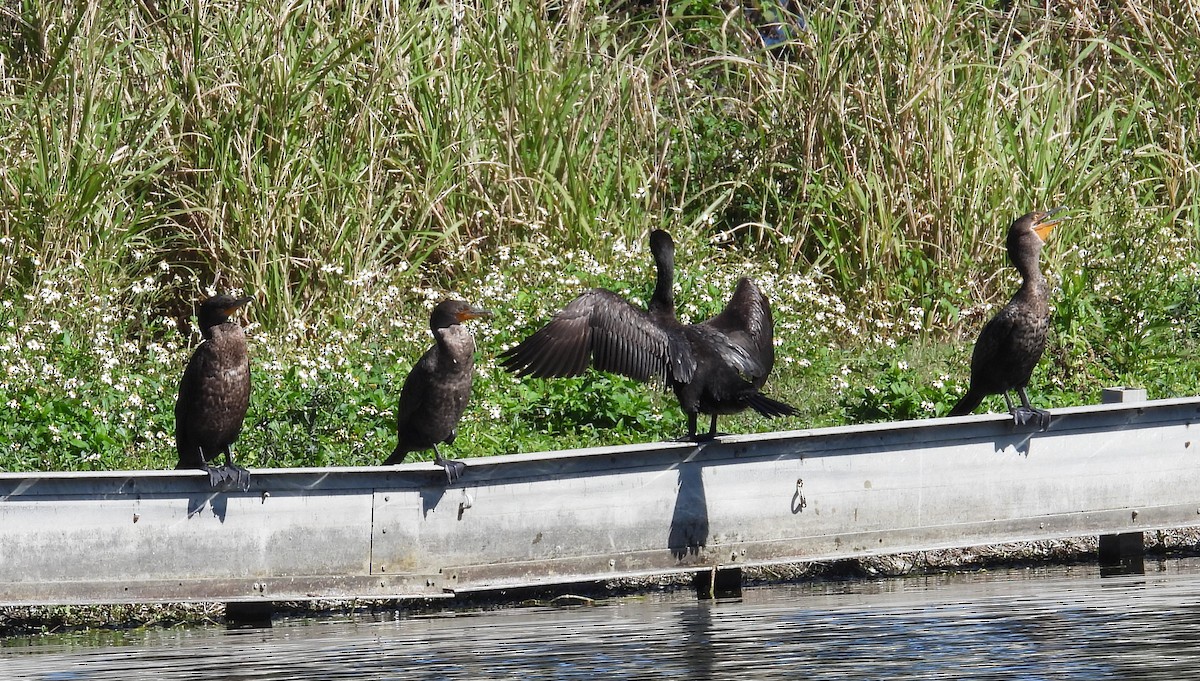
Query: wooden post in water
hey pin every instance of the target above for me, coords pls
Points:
(718, 582)
(249, 614)
(1122, 554)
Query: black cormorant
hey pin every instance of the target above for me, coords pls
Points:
(715, 367)
(214, 394)
(436, 391)
(1011, 344)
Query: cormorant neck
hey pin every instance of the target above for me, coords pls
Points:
(442, 333)
(454, 342)
(662, 301)
(1033, 285)
(1025, 259)
(207, 330)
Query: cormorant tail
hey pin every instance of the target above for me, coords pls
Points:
(397, 456)
(770, 408)
(967, 403)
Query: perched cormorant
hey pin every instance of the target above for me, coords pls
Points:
(436, 391)
(1011, 344)
(214, 394)
(715, 367)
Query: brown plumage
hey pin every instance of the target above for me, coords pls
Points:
(438, 387)
(214, 394)
(714, 367)
(1011, 344)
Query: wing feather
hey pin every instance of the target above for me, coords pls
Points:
(995, 340)
(603, 330)
(746, 331)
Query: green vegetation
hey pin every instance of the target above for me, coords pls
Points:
(353, 162)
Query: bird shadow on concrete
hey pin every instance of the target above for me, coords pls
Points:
(217, 501)
(1018, 442)
(689, 522)
(431, 496)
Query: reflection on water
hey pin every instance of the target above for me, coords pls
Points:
(1045, 623)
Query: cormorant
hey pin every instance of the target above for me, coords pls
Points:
(714, 367)
(1011, 344)
(214, 394)
(436, 391)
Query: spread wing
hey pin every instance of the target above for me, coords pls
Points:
(602, 330)
(746, 330)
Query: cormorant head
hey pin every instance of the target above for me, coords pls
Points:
(1043, 221)
(217, 310)
(1032, 229)
(450, 312)
(661, 245)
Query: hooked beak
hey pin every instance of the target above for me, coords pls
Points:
(473, 313)
(240, 302)
(1044, 224)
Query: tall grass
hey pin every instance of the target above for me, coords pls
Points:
(901, 140)
(264, 146)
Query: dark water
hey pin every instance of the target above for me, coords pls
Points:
(1044, 623)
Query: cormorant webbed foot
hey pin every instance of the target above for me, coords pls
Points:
(454, 469)
(699, 437)
(693, 436)
(1043, 419)
(228, 477)
(1023, 416)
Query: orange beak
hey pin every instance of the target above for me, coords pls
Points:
(473, 313)
(1045, 225)
(236, 304)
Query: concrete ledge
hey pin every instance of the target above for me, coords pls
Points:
(603, 513)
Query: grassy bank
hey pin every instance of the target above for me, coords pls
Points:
(350, 164)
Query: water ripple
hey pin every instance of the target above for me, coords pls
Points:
(1027, 625)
